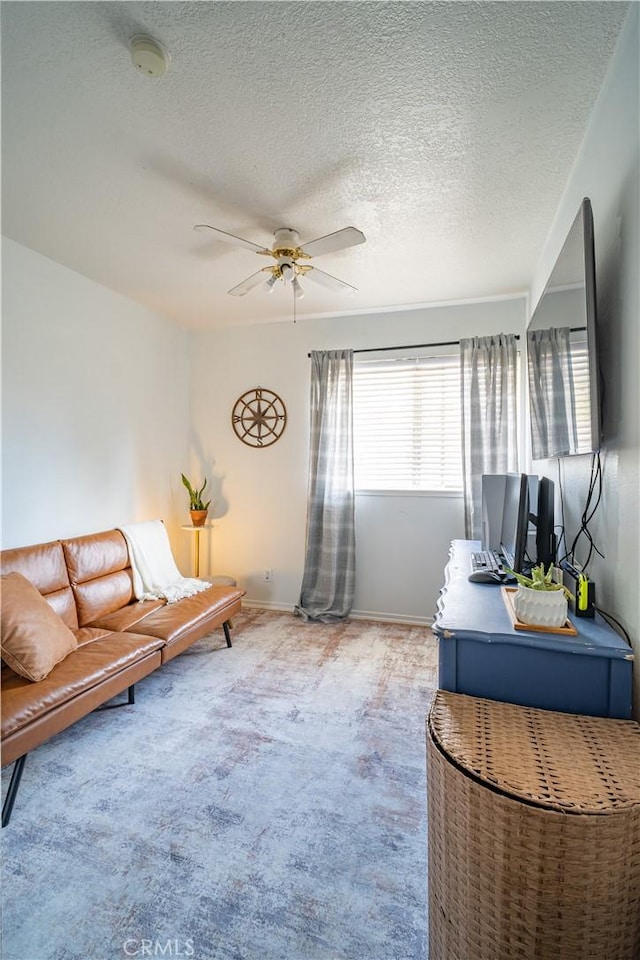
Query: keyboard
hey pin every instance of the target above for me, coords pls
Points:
(487, 560)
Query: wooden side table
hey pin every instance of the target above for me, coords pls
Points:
(196, 542)
(220, 580)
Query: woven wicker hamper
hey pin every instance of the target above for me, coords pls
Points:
(534, 833)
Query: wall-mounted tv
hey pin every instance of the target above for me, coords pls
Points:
(562, 357)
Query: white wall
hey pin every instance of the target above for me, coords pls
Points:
(95, 407)
(260, 495)
(607, 170)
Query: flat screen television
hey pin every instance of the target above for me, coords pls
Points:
(562, 356)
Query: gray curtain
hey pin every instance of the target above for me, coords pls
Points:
(553, 407)
(489, 424)
(329, 571)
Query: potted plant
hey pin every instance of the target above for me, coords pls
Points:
(540, 601)
(197, 507)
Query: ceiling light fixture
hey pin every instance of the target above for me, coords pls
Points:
(286, 272)
(149, 56)
(298, 292)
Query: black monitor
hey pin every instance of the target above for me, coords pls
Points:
(543, 521)
(515, 520)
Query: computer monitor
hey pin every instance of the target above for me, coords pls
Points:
(492, 508)
(543, 521)
(515, 520)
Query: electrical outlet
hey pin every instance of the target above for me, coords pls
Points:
(268, 574)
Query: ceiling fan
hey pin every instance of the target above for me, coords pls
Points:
(287, 251)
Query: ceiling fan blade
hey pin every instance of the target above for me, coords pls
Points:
(241, 288)
(326, 280)
(230, 238)
(347, 237)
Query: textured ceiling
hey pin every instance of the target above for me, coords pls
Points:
(444, 131)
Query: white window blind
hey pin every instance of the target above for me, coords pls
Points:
(407, 424)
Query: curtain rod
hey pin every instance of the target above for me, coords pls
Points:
(413, 346)
(443, 343)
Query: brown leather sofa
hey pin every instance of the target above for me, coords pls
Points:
(87, 581)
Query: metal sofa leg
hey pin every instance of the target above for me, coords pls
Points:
(225, 627)
(114, 706)
(12, 792)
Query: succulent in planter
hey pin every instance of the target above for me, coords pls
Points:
(539, 600)
(197, 506)
(539, 580)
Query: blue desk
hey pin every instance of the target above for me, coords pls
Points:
(483, 655)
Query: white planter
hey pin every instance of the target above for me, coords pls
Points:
(540, 608)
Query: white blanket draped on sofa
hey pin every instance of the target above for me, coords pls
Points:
(155, 574)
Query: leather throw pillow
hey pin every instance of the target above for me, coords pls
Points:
(34, 638)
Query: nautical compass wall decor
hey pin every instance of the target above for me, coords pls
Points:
(259, 417)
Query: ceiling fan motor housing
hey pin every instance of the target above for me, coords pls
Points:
(285, 240)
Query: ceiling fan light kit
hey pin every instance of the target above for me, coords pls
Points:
(287, 272)
(287, 251)
(149, 57)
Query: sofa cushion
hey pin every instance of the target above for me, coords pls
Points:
(191, 617)
(33, 637)
(43, 564)
(86, 635)
(95, 555)
(100, 574)
(89, 666)
(104, 595)
(127, 617)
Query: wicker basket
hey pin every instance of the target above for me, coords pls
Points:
(534, 833)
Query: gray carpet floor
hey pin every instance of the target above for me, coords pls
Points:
(265, 802)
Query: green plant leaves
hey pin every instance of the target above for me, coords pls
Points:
(195, 496)
(539, 580)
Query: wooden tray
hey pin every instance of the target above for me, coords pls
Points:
(568, 630)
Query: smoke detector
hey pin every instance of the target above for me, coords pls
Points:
(149, 56)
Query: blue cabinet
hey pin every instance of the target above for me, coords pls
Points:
(483, 655)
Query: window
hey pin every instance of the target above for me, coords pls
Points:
(407, 423)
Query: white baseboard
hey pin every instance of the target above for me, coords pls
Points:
(375, 615)
(391, 618)
(268, 605)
